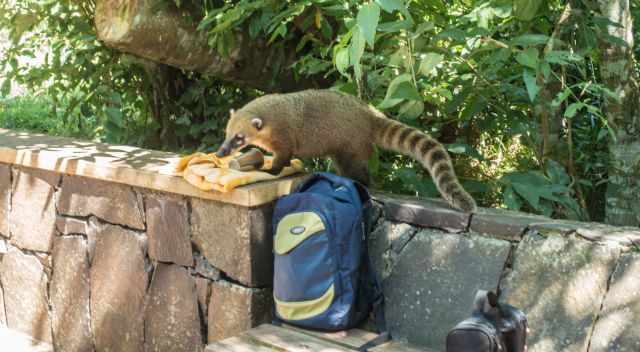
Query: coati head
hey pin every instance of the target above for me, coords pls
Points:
(243, 129)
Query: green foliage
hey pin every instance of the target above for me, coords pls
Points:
(99, 93)
(469, 72)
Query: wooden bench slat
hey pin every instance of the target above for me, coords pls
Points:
(396, 346)
(352, 339)
(293, 341)
(241, 343)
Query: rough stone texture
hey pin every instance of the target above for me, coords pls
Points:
(203, 289)
(385, 242)
(434, 280)
(559, 282)
(3, 317)
(432, 213)
(205, 269)
(502, 224)
(112, 202)
(118, 283)
(235, 239)
(593, 231)
(71, 226)
(5, 198)
(25, 294)
(172, 319)
(617, 326)
(69, 292)
(33, 212)
(168, 230)
(234, 309)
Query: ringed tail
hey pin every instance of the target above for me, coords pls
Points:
(396, 136)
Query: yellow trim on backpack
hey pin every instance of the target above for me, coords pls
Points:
(304, 309)
(295, 228)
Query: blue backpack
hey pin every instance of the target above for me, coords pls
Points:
(323, 278)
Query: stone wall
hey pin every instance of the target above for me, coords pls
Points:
(92, 265)
(97, 255)
(578, 283)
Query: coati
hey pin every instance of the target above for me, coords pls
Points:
(326, 123)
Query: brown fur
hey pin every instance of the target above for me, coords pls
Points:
(321, 123)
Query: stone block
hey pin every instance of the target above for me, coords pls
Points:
(385, 242)
(69, 292)
(559, 282)
(71, 226)
(432, 213)
(503, 224)
(618, 322)
(434, 280)
(234, 309)
(168, 229)
(234, 239)
(203, 289)
(5, 198)
(172, 321)
(3, 316)
(593, 231)
(33, 212)
(25, 294)
(118, 284)
(203, 268)
(111, 202)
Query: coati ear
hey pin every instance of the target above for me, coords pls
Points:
(256, 122)
(231, 112)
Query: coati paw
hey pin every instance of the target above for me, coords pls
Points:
(274, 172)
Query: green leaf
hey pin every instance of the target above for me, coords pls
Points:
(572, 109)
(6, 88)
(356, 49)
(465, 149)
(395, 26)
(368, 18)
(390, 5)
(429, 62)
(511, 199)
(400, 89)
(411, 110)
(528, 58)
(530, 39)
(342, 60)
(115, 116)
(526, 10)
(530, 83)
(562, 57)
(22, 23)
(557, 173)
(562, 96)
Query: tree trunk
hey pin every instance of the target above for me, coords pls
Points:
(167, 36)
(623, 115)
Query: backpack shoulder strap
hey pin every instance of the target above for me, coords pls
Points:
(375, 293)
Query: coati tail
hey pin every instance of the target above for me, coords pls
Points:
(401, 138)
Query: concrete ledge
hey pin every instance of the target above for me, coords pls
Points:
(123, 164)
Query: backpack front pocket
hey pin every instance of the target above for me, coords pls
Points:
(304, 279)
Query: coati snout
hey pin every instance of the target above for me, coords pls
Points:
(238, 134)
(326, 123)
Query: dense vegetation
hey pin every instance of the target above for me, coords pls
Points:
(513, 88)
